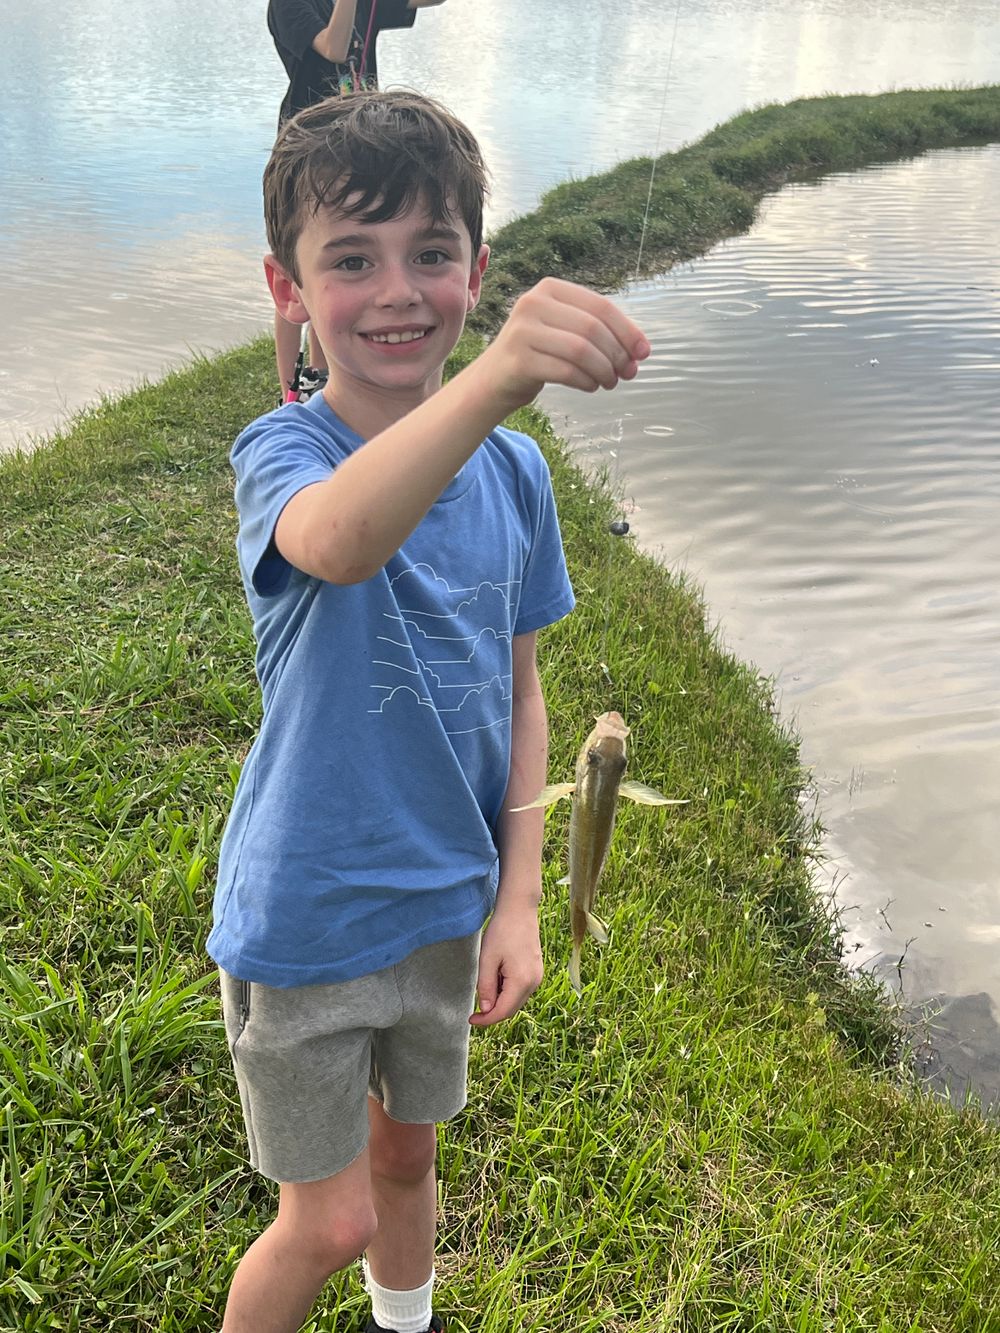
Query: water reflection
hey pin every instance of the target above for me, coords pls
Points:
(132, 123)
(832, 478)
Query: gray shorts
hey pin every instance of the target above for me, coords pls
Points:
(306, 1058)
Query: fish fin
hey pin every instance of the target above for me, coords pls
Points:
(597, 928)
(574, 970)
(565, 880)
(643, 795)
(547, 795)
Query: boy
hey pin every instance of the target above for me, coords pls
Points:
(399, 552)
(328, 47)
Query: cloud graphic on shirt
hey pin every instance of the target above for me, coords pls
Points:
(417, 576)
(402, 696)
(486, 644)
(482, 597)
(430, 649)
(478, 709)
(423, 655)
(482, 708)
(439, 636)
(422, 646)
(490, 605)
(420, 672)
(493, 691)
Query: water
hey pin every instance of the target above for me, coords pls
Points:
(816, 438)
(133, 136)
(837, 510)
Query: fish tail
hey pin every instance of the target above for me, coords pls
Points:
(574, 969)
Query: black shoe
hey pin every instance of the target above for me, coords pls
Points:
(436, 1326)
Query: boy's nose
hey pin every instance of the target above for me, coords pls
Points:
(398, 287)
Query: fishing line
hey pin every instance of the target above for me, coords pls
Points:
(619, 527)
(659, 132)
(616, 528)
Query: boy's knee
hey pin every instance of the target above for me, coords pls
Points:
(404, 1154)
(337, 1242)
(329, 1240)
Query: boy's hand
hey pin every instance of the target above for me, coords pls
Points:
(510, 964)
(561, 333)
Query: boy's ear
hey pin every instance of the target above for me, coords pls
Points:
(284, 292)
(479, 265)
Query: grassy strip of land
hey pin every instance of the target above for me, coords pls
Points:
(702, 1142)
(590, 230)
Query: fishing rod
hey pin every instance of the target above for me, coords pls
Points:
(353, 80)
(360, 83)
(295, 384)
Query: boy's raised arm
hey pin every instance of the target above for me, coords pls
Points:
(344, 529)
(334, 42)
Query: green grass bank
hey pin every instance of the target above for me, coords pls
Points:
(589, 230)
(711, 1138)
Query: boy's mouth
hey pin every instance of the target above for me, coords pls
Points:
(397, 336)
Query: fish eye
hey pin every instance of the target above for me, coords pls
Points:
(593, 756)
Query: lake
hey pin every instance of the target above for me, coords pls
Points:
(816, 438)
(133, 137)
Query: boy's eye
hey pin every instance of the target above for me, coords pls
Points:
(432, 257)
(352, 263)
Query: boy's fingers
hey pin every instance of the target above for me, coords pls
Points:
(487, 990)
(576, 369)
(565, 356)
(562, 333)
(507, 1003)
(508, 994)
(626, 333)
(584, 339)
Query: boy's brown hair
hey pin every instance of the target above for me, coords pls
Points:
(390, 149)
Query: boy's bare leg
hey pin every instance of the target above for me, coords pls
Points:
(287, 337)
(404, 1192)
(317, 357)
(321, 1227)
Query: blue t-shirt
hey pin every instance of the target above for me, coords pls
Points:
(362, 826)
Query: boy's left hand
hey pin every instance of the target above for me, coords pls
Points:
(510, 964)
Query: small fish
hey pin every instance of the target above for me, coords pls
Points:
(600, 769)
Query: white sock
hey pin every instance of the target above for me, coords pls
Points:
(402, 1311)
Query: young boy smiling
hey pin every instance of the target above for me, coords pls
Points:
(399, 551)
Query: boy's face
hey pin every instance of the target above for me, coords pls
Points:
(387, 300)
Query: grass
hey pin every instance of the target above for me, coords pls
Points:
(719, 1135)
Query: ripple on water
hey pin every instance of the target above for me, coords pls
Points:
(735, 309)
